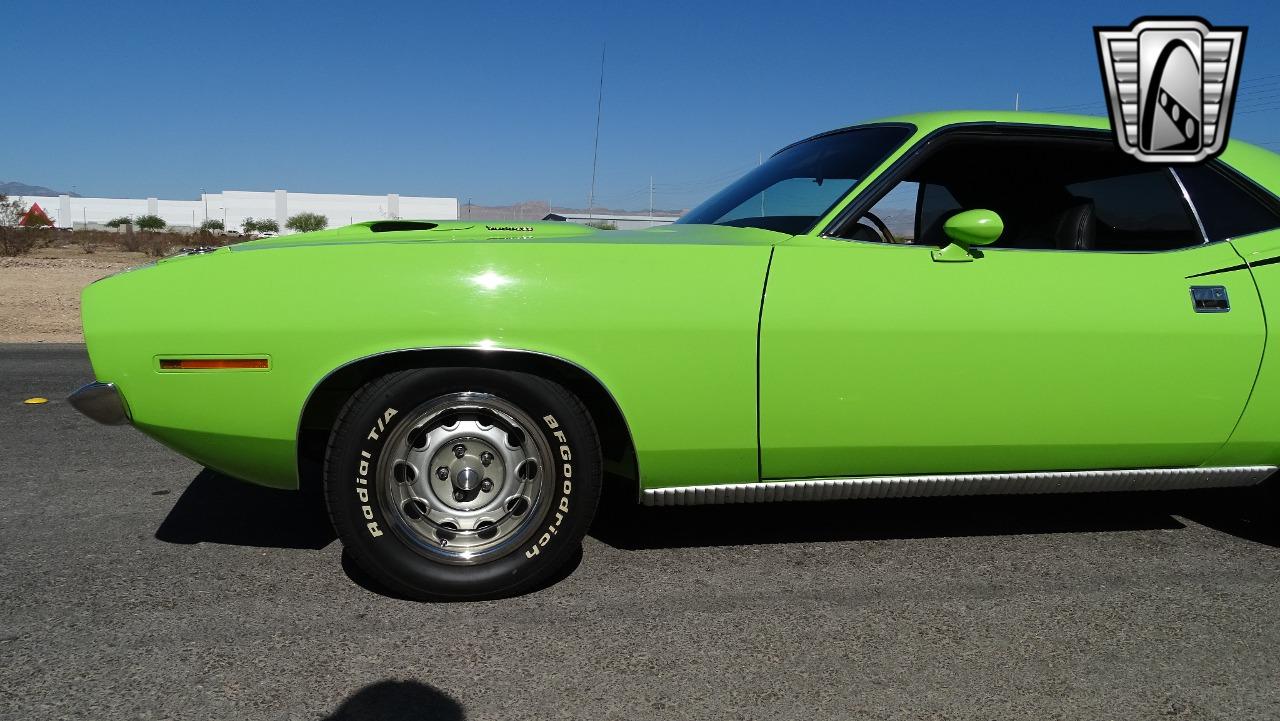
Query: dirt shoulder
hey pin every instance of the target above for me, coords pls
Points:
(40, 292)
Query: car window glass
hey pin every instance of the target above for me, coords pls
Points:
(792, 197)
(1228, 207)
(897, 211)
(1137, 211)
(1052, 193)
(801, 183)
(936, 205)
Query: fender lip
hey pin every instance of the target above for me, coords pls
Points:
(102, 402)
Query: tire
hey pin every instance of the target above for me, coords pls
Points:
(462, 484)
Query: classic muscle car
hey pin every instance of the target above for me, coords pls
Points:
(948, 303)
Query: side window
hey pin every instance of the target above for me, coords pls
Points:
(895, 213)
(1138, 211)
(937, 204)
(1072, 192)
(1228, 208)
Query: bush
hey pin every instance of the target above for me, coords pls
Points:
(130, 240)
(87, 241)
(212, 224)
(150, 222)
(158, 245)
(601, 225)
(122, 220)
(307, 222)
(16, 240)
(265, 225)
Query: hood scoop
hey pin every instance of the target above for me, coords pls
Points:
(388, 226)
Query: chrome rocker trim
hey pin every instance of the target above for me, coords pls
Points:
(962, 484)
(102, 402)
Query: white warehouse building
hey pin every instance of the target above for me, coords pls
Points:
(234, 206)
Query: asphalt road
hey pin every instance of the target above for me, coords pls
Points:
(135, 584)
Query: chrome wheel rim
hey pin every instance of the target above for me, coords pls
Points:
(463, 480)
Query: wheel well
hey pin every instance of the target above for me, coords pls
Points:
(327, 399)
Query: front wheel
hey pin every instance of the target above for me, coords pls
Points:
(460, 483)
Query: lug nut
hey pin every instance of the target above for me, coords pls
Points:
(486, 458)
(459, 450)
(486, 485)
(442, 473)
(459, 496)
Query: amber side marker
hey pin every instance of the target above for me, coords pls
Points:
(209, 364)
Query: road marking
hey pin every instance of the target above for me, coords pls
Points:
(36, 401)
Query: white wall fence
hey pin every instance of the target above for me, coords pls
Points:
(234, 206)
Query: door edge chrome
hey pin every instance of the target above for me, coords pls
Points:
(960, 484)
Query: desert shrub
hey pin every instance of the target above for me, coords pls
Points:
(117, 222)
(212, 224)
(131, 241)
(150, 222)
(158, 245)
(16, 240)
(264, 225)
(601, 225)
(88, 242)
(307, 222)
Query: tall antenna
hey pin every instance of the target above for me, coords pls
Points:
(595, 150)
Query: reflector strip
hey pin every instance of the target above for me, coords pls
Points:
(205, 364)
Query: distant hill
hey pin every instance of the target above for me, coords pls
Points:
(13, 189)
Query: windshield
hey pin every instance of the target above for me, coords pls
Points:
(798, 185)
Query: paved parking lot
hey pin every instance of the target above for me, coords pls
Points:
(136, 584)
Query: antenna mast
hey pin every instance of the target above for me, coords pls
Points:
(595, 150)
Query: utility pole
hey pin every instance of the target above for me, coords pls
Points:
(595, 150)
(650, 201)
(206, 204)
(1017, 101)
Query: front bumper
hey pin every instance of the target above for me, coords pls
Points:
(102, 402)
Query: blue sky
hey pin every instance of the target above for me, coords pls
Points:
(496, 101)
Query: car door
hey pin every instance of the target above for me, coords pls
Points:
(876, 359)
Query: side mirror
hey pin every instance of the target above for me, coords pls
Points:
(967, 229)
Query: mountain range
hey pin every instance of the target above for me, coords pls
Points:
(15, 189)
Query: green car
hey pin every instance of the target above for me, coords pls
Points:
(948, 303)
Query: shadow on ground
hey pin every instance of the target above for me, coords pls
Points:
(398, 701)
(624, 525)
(362, 579)
(218, 509)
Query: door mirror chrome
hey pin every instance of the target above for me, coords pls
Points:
(967, 229)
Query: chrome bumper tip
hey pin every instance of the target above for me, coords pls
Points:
(102, 402)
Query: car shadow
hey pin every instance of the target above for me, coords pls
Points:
(628, 526)
(218, 509)
(362, 579)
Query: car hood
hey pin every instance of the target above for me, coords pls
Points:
(452, 231)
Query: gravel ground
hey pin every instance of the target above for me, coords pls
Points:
(137, 585)
(40, 293)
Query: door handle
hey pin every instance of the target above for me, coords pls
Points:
(1210, 299)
